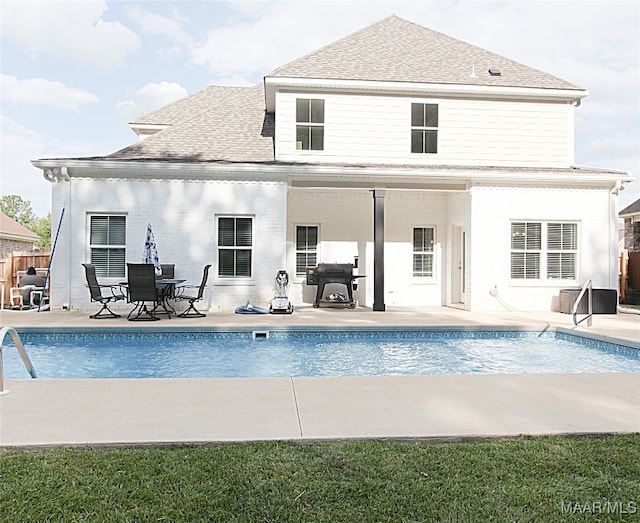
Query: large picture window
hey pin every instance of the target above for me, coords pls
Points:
(423, 248)
(235, 247)
(306, 248)
(310, 124)
(424, 128)
(544, 250)
(107, 244)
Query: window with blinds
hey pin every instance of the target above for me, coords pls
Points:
(423, 244)
(306, 248)
(235, 247)
(107, 244)
(549, 249)
(526, 248)
(562, 247)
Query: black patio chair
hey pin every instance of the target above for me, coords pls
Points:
(141, 281)
(192, 294)
(114, 293)
(168, 271)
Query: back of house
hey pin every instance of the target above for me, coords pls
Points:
(442, 172)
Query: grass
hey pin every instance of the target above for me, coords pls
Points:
(543, 479)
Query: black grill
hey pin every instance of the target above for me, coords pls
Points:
(340, 273)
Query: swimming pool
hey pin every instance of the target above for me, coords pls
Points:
(126, 354)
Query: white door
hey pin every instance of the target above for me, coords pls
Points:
(458, 268)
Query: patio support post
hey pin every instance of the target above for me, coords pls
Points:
(378, 250)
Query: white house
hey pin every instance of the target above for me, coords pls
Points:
(459, 160)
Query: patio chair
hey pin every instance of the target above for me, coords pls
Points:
(95, 289)
(141, 282)
(168, 271)
(192, 294)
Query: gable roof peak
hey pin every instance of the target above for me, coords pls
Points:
(397, 50)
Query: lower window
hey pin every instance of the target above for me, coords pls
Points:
(235, 247)
(544, 250)
(423, 243)
(107, 245)
(306, 248)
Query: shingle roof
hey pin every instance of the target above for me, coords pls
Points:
(9, 228)
(634, 208)
(230, 123)
(225, 123)
(396, 50)
(190, 106)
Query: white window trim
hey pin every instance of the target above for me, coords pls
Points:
(310, 124)
(425, 280)
(543, 281)
(89, 215)
(235, 280)
(300, 278)
(421, 128)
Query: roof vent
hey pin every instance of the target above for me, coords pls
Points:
(494, 71)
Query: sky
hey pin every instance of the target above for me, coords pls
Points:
(74, 73)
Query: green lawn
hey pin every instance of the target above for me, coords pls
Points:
(542, 479)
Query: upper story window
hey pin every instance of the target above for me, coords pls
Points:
(235, 247)
(544, 251)
(306, 248)
(310, 124)
(424, 128)
(107, 244)
(423, 243)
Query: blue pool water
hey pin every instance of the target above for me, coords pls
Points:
(312, 353)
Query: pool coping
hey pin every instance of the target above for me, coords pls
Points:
(135, 412)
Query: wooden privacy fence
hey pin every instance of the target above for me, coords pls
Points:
(629, 272)
(20, 261)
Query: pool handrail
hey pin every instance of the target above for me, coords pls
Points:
(588, 289)
(21, 350)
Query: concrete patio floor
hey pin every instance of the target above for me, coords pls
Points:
(50, 412)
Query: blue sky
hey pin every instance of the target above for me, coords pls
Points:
(74, 73)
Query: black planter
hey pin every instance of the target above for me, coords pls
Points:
(604, 301)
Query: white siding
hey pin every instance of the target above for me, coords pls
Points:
(182, 214)
(493, 209)
(376, 129)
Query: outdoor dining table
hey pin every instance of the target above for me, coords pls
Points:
(166, 291)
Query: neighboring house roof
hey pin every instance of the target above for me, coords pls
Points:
(630, 210)
(396, 50)
(11, 229)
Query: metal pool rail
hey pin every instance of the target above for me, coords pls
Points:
(23, 354)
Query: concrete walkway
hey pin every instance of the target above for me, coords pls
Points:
(162, 411)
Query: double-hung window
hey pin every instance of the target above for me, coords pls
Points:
(544, 250)
(235, 246)
(526, 250)
(310, 124)
(423, 251)
(424, 128)
(306, 248)
(107, 245)
(562, 251)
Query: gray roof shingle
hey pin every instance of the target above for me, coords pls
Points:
(229, 124)
(634, 208)
(190, 106)
(396, 50)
